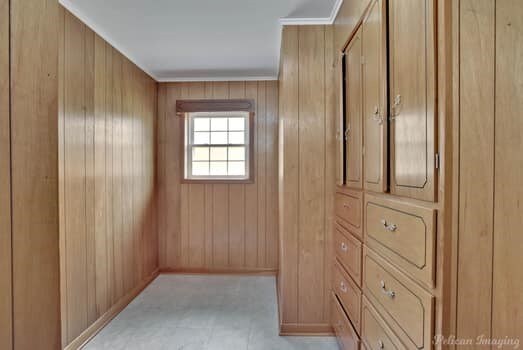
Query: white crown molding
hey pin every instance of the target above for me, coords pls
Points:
(290, 21)
(203, 79)
(94, 27)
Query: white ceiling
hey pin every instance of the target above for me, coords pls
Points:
(184, 40)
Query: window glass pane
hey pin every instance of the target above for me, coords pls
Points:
(237, 124)
(237, 138)
(219, 138)
(218, 168)
(218, 153)
(201, 124)
(200, 168)
(237, 168)
(219, 124)
(200, 153)
(236, 153)
(201, 138)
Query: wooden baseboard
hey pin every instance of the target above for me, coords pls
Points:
(221, 271)
(99, 324)
(293, 329)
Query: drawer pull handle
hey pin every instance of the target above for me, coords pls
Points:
(346, 206)
(380, 344)
(343, 287)
(390, 227)
(390, 293)
(344, 247)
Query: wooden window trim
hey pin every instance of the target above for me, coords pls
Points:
(183, 107)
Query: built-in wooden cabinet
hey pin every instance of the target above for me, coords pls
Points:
(412, 98)
(374, 86)
(353, 134)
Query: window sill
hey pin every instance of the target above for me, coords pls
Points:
(217, 182)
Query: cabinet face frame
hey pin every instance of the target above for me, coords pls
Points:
(353, 112)
(340, 117)
(399, 185)
(375, 118)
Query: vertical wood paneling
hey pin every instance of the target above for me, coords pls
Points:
(476, 167)
(306, 177)
(34, 148)
(251, 195)
(507, 300)
(215, 226)
(311, 177)
(237, 202)
(107, 167)
(288, 175)
(5, 185)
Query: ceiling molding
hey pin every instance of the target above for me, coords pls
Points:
(203, 79)
(78, 13)
(290, 21)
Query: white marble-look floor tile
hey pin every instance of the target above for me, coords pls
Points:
(186, 312)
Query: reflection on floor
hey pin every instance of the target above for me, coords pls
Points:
(204, 313)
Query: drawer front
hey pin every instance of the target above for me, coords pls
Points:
(375, 334)
(348, 293)
(349, 211)
(347, 336)
(405, 306)
(404, 234)
(348, 251)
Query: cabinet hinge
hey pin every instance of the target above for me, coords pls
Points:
(437, 160)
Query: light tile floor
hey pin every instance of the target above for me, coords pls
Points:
(185, 312)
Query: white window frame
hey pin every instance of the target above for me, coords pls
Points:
(189, 144)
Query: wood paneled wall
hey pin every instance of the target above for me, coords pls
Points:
(218, 227)
(307, 177)
(489, 97)
(5, 185)
(34, 28)
(107, 176)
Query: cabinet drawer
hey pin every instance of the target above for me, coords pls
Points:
(375, 334)
(405, 306)
(404, 234)
(347, 336)
(349, 211)
(348, 293)
(348, 251)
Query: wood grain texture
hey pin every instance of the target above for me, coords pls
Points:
(307, 174)
(374, 85)
(347, 21)
(107, 199)
(476, 167)
(354, 113)
(507, 298)
(217, 226)
(412, 60)
(6, 311)
(34, 135)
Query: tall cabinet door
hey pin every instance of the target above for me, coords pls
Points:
(374, 97)
(412, 98)
(353, 113)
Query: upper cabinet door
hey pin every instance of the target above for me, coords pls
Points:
(374, 97)
(412, 98)
(354, 113)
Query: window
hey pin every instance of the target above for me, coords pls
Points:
(217, 141)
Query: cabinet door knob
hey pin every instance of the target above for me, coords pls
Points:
(343, 287)
(391, 294)
(376, 115)
(395, 109)
(380, 344)
(344, 247)
(390, 227)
